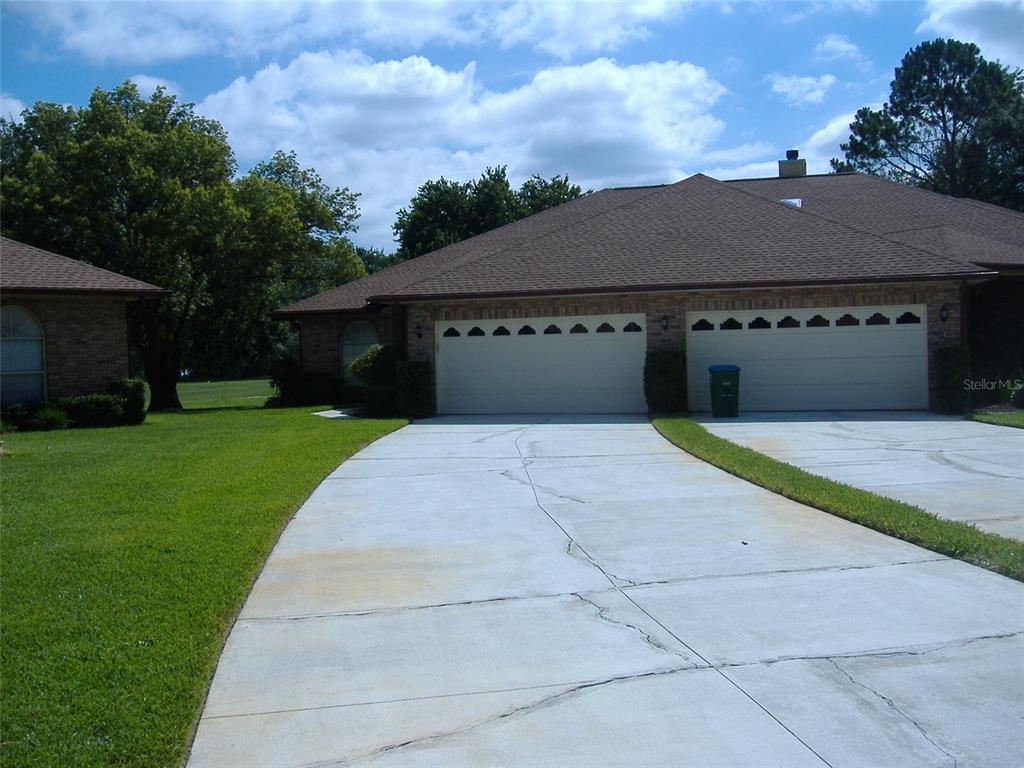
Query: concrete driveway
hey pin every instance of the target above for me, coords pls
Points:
(961, 470)
(578, 592)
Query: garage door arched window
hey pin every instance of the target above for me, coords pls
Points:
(22, 371)
(358, 337)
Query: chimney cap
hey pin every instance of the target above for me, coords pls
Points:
(792, 154)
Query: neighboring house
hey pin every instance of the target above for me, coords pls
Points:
(63, 324)
(831, 292)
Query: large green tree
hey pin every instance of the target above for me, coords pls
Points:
(142, 187)
(444, 212)
(291, 242)
(954, 123)
(146, 187)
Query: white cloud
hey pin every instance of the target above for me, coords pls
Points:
(143, 33)
(997, 26)
(11, 107)
(384, 127)
(801, 90)
(833, 47)
(818, 149)
(147, 84)
(565, 29)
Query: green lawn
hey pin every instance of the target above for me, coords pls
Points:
(1002, 418)
(126, 555)
(889, 516)
(221, 394)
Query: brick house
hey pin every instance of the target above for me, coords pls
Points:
(830, 292)
(64, 324)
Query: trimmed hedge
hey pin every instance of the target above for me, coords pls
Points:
(133, 391)
(93, 410)
(665, 381)
(413, 389)
(952, 365)
(126, 405)
(297, 387)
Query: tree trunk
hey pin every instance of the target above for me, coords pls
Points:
(161, 357)
(163, 388)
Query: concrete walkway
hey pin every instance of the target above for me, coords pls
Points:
(961, 470)
(578, 592)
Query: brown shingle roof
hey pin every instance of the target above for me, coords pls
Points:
(967, 230)
(696, 233)
(354, 295)
(24, 268)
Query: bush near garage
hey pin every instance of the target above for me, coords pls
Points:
(295, 387)
(413, 389)
(952, 366)
(665, 381)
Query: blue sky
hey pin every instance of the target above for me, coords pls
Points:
(381, 96)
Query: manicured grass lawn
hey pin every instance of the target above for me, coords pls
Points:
(126, 555)
(1002, 418)
(221, 394)
(889, 516)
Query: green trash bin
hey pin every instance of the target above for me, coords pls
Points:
(725, 390)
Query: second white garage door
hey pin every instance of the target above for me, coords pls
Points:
(832, 358)
(589, 364)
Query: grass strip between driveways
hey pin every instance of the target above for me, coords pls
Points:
(127, 552)
(1000, 418)
(892, 517)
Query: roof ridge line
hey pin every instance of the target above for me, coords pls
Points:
(850, 227)
(470, 259)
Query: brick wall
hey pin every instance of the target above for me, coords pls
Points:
(675, 306)
(320, 336)
(86, 341)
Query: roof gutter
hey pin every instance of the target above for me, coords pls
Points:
(751, 285)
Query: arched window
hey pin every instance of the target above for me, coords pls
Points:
(501, 330)
(451, 333)
(476, 330)
(552, 329)
(358, 336)
(527, 330)
(758, 323)
(788, 322)
(22, 372)
(632, 328)
(578, 328)
(605, 328)
(732, 324)
(702, 325)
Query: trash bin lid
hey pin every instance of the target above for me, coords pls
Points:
(724, 368)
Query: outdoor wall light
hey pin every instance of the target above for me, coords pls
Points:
(664, 323)
(944, 313)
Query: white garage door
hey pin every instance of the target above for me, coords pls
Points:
(813, 359)
(588, 364)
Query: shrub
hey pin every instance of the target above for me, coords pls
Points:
(952, 365)
(665, 381)
(134, 393)
(93, 410)
(379, 400)
(33, 417)
(413, 389)
(297, 387)
(1017, 398)
(376, 366)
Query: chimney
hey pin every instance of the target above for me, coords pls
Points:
(792, 166)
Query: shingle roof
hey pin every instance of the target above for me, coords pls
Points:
(24, 268)
(696, 233)
(354, 295)
(967, 230)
